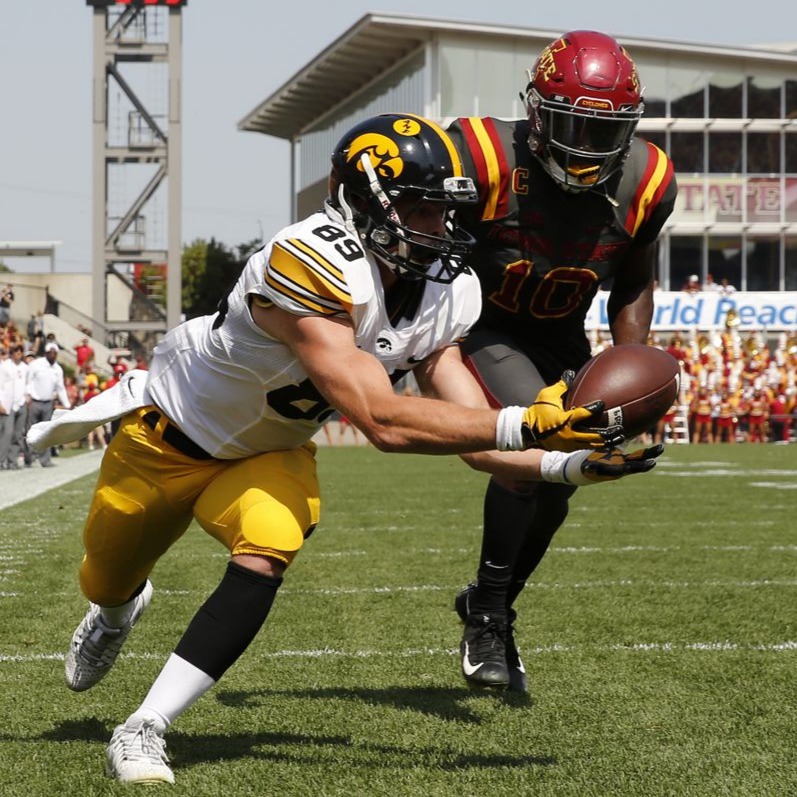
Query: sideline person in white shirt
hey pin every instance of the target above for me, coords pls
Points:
(43, 385)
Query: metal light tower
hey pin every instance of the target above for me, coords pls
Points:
(137, 163)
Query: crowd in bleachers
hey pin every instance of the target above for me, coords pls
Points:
(74, 384)
(735, 386)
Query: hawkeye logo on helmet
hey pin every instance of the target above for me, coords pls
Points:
(382, 151)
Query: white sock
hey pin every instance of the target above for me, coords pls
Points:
(118, 616)
(178, 686)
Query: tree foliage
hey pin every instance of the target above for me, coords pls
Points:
(210, 269)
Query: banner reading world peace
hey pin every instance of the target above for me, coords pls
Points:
(674, 310)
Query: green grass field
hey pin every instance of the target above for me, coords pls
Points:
(660, 637)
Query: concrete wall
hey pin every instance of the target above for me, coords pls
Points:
(72, 289)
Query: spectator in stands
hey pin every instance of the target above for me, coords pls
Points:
(19, 409)
(692, 285)
(757, 408)
(727, 419)
(37, 344)
(779, 421)
(6, 400)
(6, 300)
(119, 371)
(710, 285)
(96, 438)
(35, 326)
(677, 349)
(726, 287)
(700, 410)
(84, 356)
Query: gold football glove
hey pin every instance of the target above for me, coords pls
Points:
(548, 425)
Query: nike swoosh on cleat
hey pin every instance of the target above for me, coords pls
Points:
(467, 667)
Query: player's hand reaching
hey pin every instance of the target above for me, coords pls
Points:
(581, 468)
(548, 425)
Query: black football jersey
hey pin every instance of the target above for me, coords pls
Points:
(542, 252)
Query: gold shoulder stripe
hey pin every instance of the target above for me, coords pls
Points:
(304, 274)
(299, 298)
(491, 164)
(325, 270)
(650, 189)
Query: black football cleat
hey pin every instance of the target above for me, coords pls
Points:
(462, 602)
(483, 652)
(518, 681)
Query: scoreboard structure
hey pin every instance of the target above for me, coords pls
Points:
(108, 3)
(137, 164)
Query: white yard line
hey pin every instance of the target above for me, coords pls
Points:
(724, 646)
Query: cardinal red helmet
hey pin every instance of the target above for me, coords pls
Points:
(584, 102)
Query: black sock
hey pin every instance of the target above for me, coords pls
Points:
(507, 516)
(552, 509)
(228, 620)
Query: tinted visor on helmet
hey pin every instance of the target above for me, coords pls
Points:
(587, 145)
(591, 134)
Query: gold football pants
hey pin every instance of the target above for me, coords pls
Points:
(148, 492)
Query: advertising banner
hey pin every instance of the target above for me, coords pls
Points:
(676, 310)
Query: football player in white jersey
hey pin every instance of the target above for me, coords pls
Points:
(323, 317)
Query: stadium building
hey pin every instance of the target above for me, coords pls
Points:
(727, 116)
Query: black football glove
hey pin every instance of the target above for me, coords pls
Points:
(595, 467)
(548, 425)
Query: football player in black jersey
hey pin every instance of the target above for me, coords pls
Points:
(569, 201)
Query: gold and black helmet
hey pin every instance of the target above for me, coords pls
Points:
(389, 157)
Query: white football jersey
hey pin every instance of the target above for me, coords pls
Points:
(236, 391)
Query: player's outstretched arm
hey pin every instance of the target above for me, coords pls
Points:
(446, 376)
(355, 383)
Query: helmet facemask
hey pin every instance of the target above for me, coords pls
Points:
(410, 253)
(579, 148)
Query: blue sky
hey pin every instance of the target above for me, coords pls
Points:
(235, 54)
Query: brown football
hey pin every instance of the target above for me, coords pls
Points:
(637, 384)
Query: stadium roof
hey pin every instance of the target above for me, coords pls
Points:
(377, 42)
(28, 248)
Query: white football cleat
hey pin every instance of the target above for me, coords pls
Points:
(95, 645)
(137, 752)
